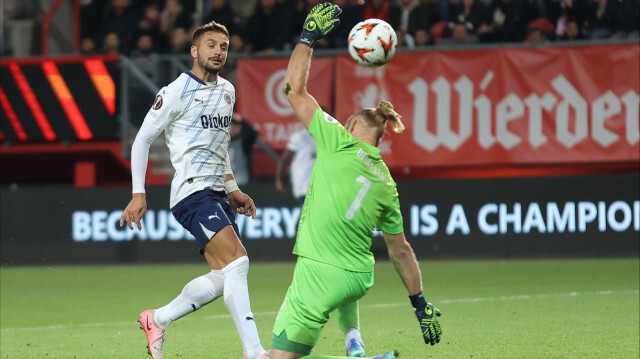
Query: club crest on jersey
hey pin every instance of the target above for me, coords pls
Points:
(157, 103)
(210, 121)
(329, 118)
(227, 98)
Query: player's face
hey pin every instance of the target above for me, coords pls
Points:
(212, 51)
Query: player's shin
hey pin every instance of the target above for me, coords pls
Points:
(236, 298)
(348, 319)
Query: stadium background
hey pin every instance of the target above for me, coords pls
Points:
(512, 150)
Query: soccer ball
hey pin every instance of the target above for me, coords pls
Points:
(372, 42)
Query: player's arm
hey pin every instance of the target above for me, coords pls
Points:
(165, 106)
(295, 84)
(405, 262)
(240, 200)
(281, 170)
(320, 21)
(139, 159)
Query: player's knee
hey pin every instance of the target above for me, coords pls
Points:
(239, 267)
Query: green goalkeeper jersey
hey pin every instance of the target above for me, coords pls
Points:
(350, 194)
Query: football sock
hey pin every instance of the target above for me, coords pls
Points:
(200, 291)
(347, 316)
(352, 333)
(236, 298)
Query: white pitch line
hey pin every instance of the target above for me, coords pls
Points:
(382, 305)
(509, 298)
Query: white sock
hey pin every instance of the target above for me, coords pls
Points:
(352, 333)
(200, 291)
(236, 298)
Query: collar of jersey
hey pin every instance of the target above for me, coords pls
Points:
(199, 80)
(371, 149)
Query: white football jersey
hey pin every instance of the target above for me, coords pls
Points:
(196, 117)
(304, 147)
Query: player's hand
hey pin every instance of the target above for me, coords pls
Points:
(322, 19)
(134, 211)
(243, 203)
(429, 324)
(280, 186)
(427, 315)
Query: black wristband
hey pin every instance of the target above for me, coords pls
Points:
(418, 301)
(306, 40)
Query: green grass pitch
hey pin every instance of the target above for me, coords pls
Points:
(576, 308)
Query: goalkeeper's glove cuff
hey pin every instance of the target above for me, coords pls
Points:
(306, 39)
(418, 301)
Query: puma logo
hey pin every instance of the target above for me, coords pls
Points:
(214, 216)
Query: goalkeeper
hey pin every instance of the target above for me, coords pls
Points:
(351, 192)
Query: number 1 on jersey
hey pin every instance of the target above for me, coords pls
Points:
(366, 183)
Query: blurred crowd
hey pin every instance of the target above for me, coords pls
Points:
(141, 27)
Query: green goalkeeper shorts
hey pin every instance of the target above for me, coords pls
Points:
(317, 289)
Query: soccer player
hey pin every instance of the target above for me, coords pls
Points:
(300, 155)
(195, 112)
(351, 192)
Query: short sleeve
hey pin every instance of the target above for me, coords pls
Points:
(391, 219)
(329, 134)
(165, 106)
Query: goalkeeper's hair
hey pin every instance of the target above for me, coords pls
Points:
(378, 117)
(212, 26)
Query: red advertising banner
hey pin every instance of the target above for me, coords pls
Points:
(543, 105)
(262, 102)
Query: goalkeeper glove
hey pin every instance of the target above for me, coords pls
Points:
(322, 19)
(427, 315)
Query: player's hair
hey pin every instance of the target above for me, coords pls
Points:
(212, 26)
(378, 118)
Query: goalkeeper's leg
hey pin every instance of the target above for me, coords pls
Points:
(281, 354)
(388, 355)
(348, 318)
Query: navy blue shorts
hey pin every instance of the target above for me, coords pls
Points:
(204, 213)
